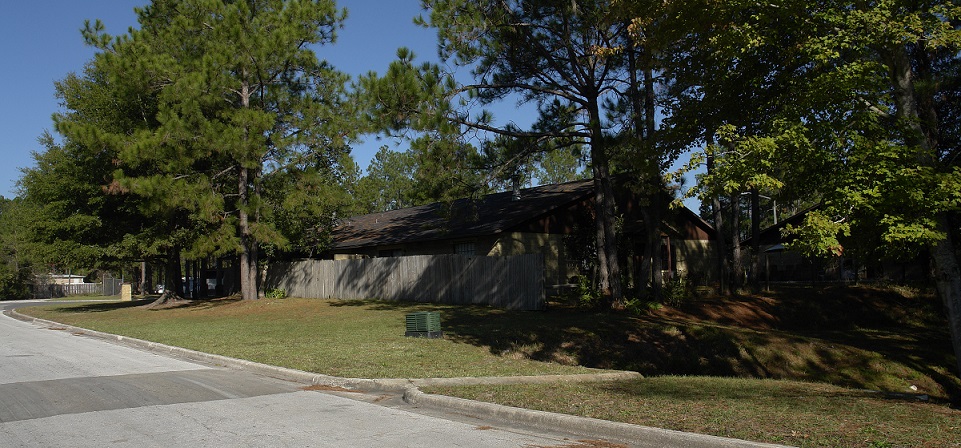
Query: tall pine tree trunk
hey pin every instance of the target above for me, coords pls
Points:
(144, 281)
(721, 264)
(650, 176)
(657, 203)
(248, 244)
(605, 211)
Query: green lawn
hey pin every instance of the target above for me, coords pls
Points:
(341, 338)
(774, 411)
(797, 366)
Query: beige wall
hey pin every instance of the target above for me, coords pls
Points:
(556, 269)
(696, 259)
(502, 245)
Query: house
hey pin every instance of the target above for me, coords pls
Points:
(778, 263)
(545, 219)
(66, 279)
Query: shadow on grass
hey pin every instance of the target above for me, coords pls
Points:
(99, 307)
(833, 335)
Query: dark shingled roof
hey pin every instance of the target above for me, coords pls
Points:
(464, 218)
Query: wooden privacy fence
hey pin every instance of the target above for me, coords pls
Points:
(515, 282)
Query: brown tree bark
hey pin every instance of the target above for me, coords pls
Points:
(249, 246)
(605, 211)
(248, 243)
(737, 260)
(721, 259)
(922, 134)
(755, 240)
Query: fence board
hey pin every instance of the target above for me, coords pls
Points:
(515, 282)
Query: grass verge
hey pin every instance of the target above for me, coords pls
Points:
(773, 411)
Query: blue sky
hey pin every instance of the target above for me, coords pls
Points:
(41, 44)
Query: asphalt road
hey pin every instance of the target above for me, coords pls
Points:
(60, 389)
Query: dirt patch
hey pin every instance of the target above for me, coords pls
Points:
(759, 313)
(810, 309)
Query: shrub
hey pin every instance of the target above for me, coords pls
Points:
(586, 292)
(275, 294)
(677, 290)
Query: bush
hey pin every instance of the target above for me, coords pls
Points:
(586, 293)
(639, 307)
(677, 290)
(275, 294)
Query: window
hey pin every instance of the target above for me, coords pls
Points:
(390, 253)
(465, 249)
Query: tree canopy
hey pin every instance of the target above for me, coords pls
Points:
(218, 100)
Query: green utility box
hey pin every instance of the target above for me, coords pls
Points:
(424, 324)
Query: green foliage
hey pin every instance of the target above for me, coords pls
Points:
(578, 62)
(640, 307)
(815, 114)
(65, 215)
(388, 184)
(16, 259)
(559, 166)
(231, 132)
(586, 292)
(275, 294)
(818, 236)
(677, 290)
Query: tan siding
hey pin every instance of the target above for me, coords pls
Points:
(696, 259)
(508, 282)
(549, 245)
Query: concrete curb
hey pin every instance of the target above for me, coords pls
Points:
(611, 431)
(621, 432)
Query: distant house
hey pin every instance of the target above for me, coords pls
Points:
(779, 263)
(543, 220)
(66, 279)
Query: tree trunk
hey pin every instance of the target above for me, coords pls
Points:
(605, 211)
(755, 240)
(947, 277)
(642, 105)
(652, 265)
(922, 134)
(248, 244)
(721, 259)
(173, 285)
(737, 261)
(144, 280)
(657, 203)
(653, 222)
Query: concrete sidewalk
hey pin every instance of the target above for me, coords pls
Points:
(632, 435)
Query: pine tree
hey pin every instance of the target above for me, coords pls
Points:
(240, 97)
